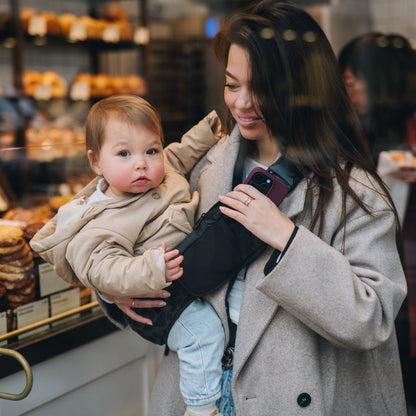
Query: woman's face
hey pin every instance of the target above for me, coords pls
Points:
(357, 90)
(238, 95)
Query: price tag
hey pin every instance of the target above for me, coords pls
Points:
(42, 92)
(3, 323)
(31, 313)
(80, 91)
(37, 26)
(63, 302)
(141, 36)
(3, 326)
(111, 34)
(49, 281)
(77, 32)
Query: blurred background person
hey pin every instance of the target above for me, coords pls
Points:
(379, 72)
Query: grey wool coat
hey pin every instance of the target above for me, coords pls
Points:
(316, 335)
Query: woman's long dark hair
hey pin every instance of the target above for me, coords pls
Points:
(298, 87)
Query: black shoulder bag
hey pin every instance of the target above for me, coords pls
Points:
(215, 251)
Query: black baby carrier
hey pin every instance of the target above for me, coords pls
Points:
(216, 250)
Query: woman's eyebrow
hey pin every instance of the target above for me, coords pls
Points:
(230, 75)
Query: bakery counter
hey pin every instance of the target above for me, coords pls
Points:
(85, 368)
(53, 336)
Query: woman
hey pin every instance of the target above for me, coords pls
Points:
(315, 312)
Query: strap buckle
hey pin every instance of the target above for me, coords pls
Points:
(228, 358)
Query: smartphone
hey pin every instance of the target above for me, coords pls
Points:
(269, 184)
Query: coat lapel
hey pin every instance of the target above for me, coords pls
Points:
(216, 178)
(258, 309)
(256, 312)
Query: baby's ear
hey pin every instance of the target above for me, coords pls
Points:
(94, 162)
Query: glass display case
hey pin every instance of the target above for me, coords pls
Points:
(40, 314)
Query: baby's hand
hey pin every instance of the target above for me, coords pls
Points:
(173, 262)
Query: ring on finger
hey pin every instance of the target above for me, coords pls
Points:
(247, 201)
(132, 304)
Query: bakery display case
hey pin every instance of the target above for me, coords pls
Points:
(56, 66)
(36, 306)
(89, 63)
(42, 113)
(76, 354)
(43, 164)
(42, 154)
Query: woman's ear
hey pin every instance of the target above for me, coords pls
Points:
(94, 162)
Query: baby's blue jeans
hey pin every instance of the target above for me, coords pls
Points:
(199, 340)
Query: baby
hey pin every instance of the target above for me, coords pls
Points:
(114, 235)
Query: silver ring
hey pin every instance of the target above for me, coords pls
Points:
(132, 304)
(247, 201)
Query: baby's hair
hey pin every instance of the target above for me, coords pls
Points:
(130, 109)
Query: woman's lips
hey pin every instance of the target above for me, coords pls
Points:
(247, 121)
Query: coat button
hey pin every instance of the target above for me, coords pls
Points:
(155, 195)
(304, 400)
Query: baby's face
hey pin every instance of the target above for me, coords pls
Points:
(131, 159)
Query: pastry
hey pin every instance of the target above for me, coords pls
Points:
(10, 236)
(113, 12)
(12, 249)
(7, 268)
(18, 256)
(25, 15)
(53, 26)
(56, 82)
(18, 214)
(66, 21)
(15, 300)
(136, 84)
(101, 86)
(31, 81)
(41, 213)
(27, 290)
(31, 229)
(57, 201)
(13, 281)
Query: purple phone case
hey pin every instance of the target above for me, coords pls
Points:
(278, 189)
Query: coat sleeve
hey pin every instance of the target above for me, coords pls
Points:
(112, 266)
(108, 261)
(183, 155)
(52, 250)
(350, 297)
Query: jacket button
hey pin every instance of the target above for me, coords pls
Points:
(304, 400)
(155, 195)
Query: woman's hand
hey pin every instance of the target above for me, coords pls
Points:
(149, 300)
(258, 214)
